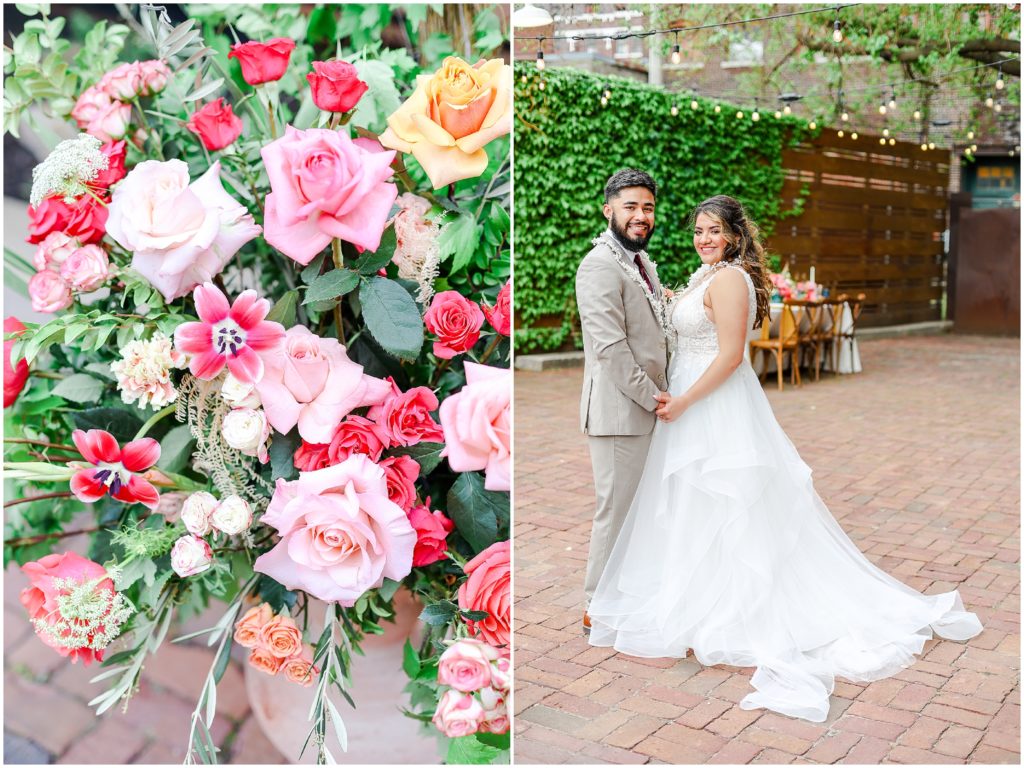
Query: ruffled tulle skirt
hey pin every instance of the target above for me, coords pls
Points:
(728, 550)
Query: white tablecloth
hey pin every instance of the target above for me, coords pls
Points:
(849, 354)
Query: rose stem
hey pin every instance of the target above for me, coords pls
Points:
(44, 444)
(438, 371)
(490, 348)
(338, 262)
(26, 499)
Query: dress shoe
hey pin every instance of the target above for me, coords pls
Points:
(586, 623)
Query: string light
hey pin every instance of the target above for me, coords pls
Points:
(813, 125)
(882, 109)
(881, 141)
(845, 117)
(970, 134)
(892, 142)
(778, 114)
(924, 146)
(540, 61)
(931, 145)
(1000, 83)
(694, 104)
(756, 115)
(840, 133)
(607, 92)
(974, 147)
(739, 115)
(718, 108)
(542, 85)
(604, 101)
(885, 132)
(853, 135)
(674, 110)
(998, 107)
(837, 32)
(676, 56)
(892, 99)
(990, 102)
(917, 114)
(786, 110)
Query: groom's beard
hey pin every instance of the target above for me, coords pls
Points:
(631, 243)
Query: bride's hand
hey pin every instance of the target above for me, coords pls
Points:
(671, 409)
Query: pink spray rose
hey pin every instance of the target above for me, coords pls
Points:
(86, 269)
(263, 62)
(432, 529)
(84, 219)
(477, 425)
(401, 473)
(356, 435)
(405, 416)
(310, 381)
(335, 85)
(495, 711)
(501, 673)
(458, 714)
(15, 376)
(116, 152)
(155, 74)
(216, 125)
(181, 234)
(340, 534)
(500, 315)
(54, 251)
(102, 115)
(265, 661)
(190, 555)
(123, 82)
(281, 637)
(456, 322)
(488, 589)
(49, 292)
(466, 665)
(326, 185)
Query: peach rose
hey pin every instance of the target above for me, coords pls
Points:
(466, 665)
(299, 668)
(487, 589)
(265, 661)
(247, 628)
(340, 534)
(477, 425)
(451, 116)
(281, 637)
(458, 714)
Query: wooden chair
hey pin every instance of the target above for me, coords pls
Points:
(845, 335)
(786, 341)
(811, 333)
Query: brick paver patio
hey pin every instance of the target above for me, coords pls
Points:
(918, 459)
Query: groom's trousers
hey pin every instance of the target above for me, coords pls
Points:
(618, 462)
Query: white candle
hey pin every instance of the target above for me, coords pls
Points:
(812, 275)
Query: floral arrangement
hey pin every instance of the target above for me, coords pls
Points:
(785, 287)
(276, 375)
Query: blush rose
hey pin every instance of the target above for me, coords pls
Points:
(466, 665)
(216, 125)
(477, 425)
(488, 589)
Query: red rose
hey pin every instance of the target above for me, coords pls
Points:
(456, 321)
(336, 85)
(115, 152)
(401, 472)
(405, 417)
(500, 315)
(356, 435)
(15, 376)
(263, 62)
(86, 219)
(311, 457)
(216, 125)
(487, 589)
(432, 529)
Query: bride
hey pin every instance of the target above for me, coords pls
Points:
(727, 548)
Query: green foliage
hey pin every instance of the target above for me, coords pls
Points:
(567, 146)
(481, 516)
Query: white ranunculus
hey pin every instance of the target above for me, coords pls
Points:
(196, 511)
(190, 555)
(232, 516)
(247, 430)
(238, 394)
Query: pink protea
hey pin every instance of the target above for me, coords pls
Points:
(228, 335)
(114, 469)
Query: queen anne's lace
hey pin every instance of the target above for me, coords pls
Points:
(657, 302)
(68, 169)
(86, 616)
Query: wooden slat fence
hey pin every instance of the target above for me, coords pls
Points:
(872, 222)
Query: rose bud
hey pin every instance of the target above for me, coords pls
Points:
(335, 85)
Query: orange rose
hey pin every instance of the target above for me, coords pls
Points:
(281, 637)
(264, 661)
(299, 668)
(451, 116)
(247, 629)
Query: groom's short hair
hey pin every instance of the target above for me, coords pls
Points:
(629, 177)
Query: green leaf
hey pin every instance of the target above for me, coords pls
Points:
(370, 263)
(496, 740)
(275, 593)
(80, 388)
(468, 750)
(176, 449)
(283, 311)
(42, 406)
(458, 240)
(119, 423)
(392, 317)
(312, 271)
(440, 613)
(410, 660)
(335, 283)
(388, 589)
(477, 513)
(282, 452)
(427, 455)
(381, 99)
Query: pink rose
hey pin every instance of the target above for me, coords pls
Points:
(89, 104)
(325, 185)
(477, 425)
(311, 457)
(466, 665)
(311, 382)
(458, 714)
(15, 376)
(123, 82)
(356, 435)
(190, 555)
(500, 315)
(115, 152)
(501, 673)
(41, 598)
(335, 85)
(401, 473)
(154, 76)
(111, 122)
(456, 322)
(432, 529)
(487, 589)
(84, 219)
(86, 269)
(340, 534)
(405, 416)
(181, 234)
(495, 712)
(263, 62)
(49, 292)
(216, 125)
(54, 250)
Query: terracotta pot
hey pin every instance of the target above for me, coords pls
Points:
(378, 732)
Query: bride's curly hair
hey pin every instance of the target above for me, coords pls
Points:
(744, 245)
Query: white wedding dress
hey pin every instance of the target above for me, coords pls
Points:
(728, 550)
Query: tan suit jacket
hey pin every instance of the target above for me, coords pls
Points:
(624, 347)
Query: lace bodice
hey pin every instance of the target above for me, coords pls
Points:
(696, 335)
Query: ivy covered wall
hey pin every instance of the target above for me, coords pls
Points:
(566, 147)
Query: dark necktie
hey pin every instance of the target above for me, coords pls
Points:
(643, 272)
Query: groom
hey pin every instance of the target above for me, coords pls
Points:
(625, 352)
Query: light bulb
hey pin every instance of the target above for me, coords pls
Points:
(540, 61)
(718, 108)
(974, 147)
(604, 101)
(755, 116)
(607, 93)
(881, 141)
(840, 133)
(523, 79)
(924, 147)
(1011, 153)
(882, 109)
(853, 135)
(917, 114)
(541, 86)
(1000, 83)
(694, 104)
(676, 56)
(998, 107)
(892, 142)
(674, 110)
(892, 103)
(989, 102)
(812, 125)
(931, 145)
(778, 115)
(739, 115)
(845, 117)
(885, 132)
(970, 134)
(1017, 148)
(837, 33)
(786, 110)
